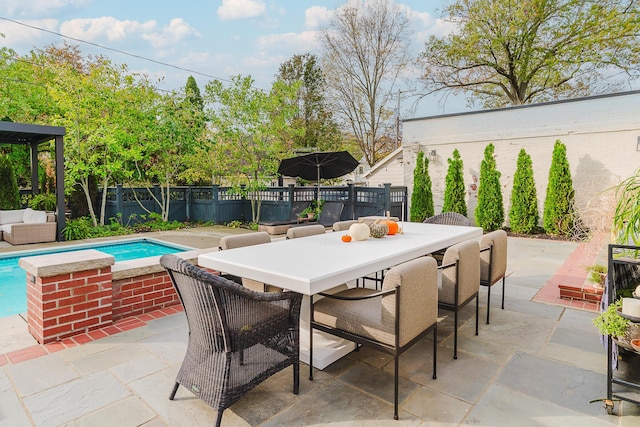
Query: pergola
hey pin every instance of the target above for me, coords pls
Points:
(34, 135)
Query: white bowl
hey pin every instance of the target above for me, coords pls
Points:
(631, 307)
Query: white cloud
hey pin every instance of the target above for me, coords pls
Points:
(241, 9)
(177, 30)
(297, 42)
(106, 27)
(20, 37)
(317, 16)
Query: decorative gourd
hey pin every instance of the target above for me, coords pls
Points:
(393, 227)
(379, 229)
(359, 231)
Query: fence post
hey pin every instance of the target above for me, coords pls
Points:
(215, 204)
(187, 203)
(352, 200)
(119, 204)
(291, 194)
(387, 198)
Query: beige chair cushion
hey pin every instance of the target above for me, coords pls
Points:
(343, 225)
(496, 256)
(375, 318)
(304, 231)
(467, 254)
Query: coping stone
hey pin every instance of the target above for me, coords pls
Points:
(62, 263)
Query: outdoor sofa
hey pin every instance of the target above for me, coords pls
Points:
(22, 226)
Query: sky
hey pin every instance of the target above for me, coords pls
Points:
(205, 38)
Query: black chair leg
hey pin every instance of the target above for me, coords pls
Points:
(455, 335)
(477, 311)
(173, 392)
(488, 302)
(503, 280)
(219, 417)
(296, 378)
(396, 373)
(435, 349)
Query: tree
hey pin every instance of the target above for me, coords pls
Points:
(422, 196)
(454, 191)
(364, 50)
(250, 130)
(523, 215)
(9, 191)
(489, 213)
(558, 216)
(318, 129)
(506, 52)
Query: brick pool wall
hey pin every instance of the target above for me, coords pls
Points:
(141, 294)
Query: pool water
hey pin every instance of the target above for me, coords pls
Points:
(13, 279)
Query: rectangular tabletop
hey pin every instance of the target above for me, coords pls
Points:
(314, 264)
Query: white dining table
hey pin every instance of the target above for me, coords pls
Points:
(314, 264)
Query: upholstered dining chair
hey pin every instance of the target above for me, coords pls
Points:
(248, 239)
(493, 262)
(459, 281)
(305, 231)
(390, 320)
(343, 225)
(237, 337)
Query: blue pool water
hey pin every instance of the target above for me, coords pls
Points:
(13, 282)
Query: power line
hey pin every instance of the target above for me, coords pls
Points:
(144, 58)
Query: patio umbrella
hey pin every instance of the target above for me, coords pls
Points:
(324, 165)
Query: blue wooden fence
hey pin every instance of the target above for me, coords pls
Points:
(221, 204)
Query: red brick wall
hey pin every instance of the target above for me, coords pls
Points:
(68, 304)
(141, 294)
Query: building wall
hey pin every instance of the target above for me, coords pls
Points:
(390, 170)
(602, 136)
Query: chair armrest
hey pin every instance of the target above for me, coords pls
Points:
(375, 295)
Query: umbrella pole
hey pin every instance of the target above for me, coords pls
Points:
(318, 187)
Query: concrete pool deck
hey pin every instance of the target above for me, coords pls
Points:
(538, 363)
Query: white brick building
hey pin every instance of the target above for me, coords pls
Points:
(601, 133)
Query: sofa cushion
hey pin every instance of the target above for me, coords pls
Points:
(11, 216)
(34, 217)
(6, 228)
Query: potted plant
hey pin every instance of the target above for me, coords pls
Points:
(626, 220)
(597, 275)
(610, 322)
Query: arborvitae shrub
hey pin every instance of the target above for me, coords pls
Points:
(558, 205)
(9, 190)
(489, 213)
(454, 192)
(422, 196)
(523, 215)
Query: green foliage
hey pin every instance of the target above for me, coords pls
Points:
(523, 215)
(422, 196)
(507, 52)
(626, 220)
(77, 229)
(489, 213)
(43, 202)
(9, 191)
(454, 191)
(316, 125)
(609, 322)
(597, 273)
(558, 217)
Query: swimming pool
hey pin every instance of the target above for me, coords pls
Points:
(13, 279)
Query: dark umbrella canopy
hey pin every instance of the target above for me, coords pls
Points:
(318, 166)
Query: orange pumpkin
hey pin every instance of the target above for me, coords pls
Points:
(392, 226)
(346, 238)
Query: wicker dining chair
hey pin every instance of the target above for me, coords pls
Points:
(448, 218)
(493, 262)
(390, 320)
(242, 240)
(237, 337)
(459, 282)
